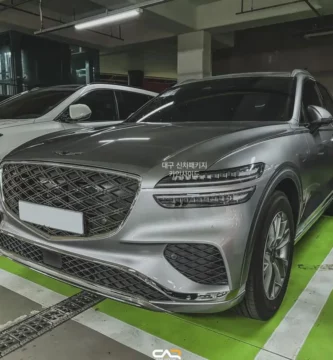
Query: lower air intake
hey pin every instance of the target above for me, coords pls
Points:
(200, 263)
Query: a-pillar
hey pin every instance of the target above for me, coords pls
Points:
(194, 55)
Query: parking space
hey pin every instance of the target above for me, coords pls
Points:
(125, 332)
(166, 155)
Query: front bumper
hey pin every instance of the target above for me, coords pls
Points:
(170, 302)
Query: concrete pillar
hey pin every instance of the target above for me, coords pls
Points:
(135, 78)
(194, 55)
(136, 69)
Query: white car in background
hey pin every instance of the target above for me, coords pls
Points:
(45, 110)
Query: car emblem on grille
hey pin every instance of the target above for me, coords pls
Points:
(67, 153)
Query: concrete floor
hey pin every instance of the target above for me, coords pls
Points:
(13, 306)
(301, 330)
(69, 341)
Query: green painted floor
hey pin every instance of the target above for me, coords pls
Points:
(226, 335)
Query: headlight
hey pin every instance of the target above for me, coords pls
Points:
(205, 199)
(210, 178)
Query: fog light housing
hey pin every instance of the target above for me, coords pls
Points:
(203, 200)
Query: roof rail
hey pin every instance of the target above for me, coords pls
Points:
(248, 74)
(300, 71)
(186, 81)
(238, 75)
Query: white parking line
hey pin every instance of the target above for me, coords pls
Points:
(115, 329)
(289, 337)
(270, 356)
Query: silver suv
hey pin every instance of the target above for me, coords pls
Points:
(192, 205)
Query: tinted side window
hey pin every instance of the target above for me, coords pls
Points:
(33, 104)
(310, 94)
(327, 99)
(101, 103)
(129, 102)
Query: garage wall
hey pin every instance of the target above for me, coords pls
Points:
(115, 64)
(317, 60)
(326, 78)
(162, 64)
(280, 48)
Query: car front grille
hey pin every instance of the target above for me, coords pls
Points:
(105, 198)
(102, 275)
(201, 263)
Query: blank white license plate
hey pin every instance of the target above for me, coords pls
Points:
(59, 219)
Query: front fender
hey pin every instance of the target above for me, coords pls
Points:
(286, 171)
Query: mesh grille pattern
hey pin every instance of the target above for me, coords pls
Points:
(105, 199)
(200, 263)
(23, 249)
(107, 276)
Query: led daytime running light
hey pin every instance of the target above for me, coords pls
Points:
(202, 200)
(210, 178)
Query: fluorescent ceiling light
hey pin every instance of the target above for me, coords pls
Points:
(109, 19)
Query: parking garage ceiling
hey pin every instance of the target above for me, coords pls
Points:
(66, 8)
(162, 21)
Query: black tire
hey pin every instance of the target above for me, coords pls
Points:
(256, 304)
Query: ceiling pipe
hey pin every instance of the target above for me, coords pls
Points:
(41, 14)
(142, 5)
(312, 7)
(13, 7)
(276, 6)
(318, 34)
(28, 12)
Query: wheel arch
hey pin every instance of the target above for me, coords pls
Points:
(287, 179)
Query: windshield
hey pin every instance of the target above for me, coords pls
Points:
(229, 99)
(33, 104)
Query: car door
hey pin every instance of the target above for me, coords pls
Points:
(129, 102)
(103, 108)
(319, 159)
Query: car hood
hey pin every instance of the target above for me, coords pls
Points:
(143, 149)
(5, 123)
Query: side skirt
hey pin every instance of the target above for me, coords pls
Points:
(303, 229)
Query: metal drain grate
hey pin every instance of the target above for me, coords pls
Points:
(34, 326)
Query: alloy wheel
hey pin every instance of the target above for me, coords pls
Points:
(276, 254)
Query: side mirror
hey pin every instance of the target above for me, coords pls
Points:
(319, 116)
(79, 112)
